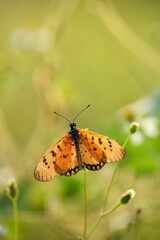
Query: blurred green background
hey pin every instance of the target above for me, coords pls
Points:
(63, 55)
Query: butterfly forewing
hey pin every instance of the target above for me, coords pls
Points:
(97, 150)
(60, 159)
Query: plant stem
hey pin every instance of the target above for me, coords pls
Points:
(113, 176)
(15, 215)
(109, 188)
(85, 204)
(101, 217)
(126, 140)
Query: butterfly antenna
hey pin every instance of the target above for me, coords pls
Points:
(80, 112)
(62, 116)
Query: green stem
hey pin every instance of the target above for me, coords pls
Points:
(109, 188)
(100, 218)
(85, 204)
(15, 214)
(113, 176)
(126, 140)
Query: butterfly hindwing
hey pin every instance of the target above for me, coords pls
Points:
(97, 150)
(60, 159)
(93, 156)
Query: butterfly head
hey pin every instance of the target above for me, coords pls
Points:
(72, 125)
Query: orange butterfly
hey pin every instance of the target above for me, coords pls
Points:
(77, 149)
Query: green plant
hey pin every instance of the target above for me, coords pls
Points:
(125, 198)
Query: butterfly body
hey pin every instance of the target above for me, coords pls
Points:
(74, 134)
(77, 149)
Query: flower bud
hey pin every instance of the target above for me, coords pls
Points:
(127, 196)
(12, 189)
(133, 127)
